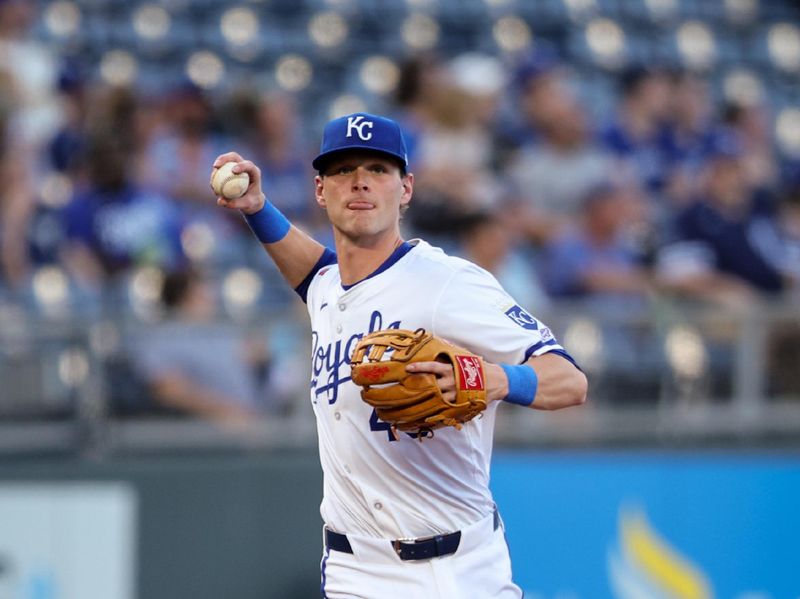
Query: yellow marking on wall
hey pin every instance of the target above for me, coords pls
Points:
(661, 563)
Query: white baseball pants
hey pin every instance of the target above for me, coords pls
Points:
(479, 569)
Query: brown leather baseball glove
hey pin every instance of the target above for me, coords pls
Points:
(413, 402)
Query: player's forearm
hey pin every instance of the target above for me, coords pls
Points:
(547, 382)
(293, 252)
(295, 255)
(560, 383)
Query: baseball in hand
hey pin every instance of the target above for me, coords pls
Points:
(228, 184)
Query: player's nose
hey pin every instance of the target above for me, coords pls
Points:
(360, 179)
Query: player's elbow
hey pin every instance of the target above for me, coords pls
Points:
(578, 389)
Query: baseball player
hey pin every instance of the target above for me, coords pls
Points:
(403, 517)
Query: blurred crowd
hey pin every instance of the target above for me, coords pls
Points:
(672, 193)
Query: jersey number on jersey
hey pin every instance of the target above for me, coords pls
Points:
(378, 425)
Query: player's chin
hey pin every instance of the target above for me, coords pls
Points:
(361, 229)
(361, 218)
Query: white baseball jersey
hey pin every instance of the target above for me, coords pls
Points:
(375, 485)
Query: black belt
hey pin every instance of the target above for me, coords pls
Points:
(408, 550)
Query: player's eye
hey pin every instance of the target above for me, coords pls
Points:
(378, 168)
(342, 169)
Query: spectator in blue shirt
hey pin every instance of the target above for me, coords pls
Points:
(728, 244)
(598, 263)
(115, 224)
(635, 135)
(594, 259)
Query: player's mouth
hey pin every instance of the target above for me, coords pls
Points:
(360, 205)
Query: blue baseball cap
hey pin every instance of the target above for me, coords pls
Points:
(361, 131)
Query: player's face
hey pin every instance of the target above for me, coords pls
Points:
(362, 193)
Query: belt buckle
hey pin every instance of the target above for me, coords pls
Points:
(397, 542)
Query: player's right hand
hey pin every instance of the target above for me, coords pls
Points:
(253, 199)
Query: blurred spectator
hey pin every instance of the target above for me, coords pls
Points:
(688, 136)
(115, 223)
(39, 228)
(729, 244)
(551, 176)
(635, 134)
(752, 123)
(454, 151)
(516, 121)
(119, 116)
(16, 205)
(594, 259)
(270, 127)
(67, 149)
(177, 164)
(417, 89)
(134, 165)
(196, 365)
(487, 239)
(179, 157)
(33, 72)
(16, 208)
(596, 264)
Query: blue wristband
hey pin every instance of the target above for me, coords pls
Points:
(522, 384)
(268, 224)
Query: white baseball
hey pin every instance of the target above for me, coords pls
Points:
(228, 184)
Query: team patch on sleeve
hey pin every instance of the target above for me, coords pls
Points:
(527, 321)
(522, 318)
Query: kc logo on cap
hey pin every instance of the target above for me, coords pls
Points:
(358, 123)
(363, 132)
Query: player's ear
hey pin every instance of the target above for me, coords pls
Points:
(408, 189)
(318, 184)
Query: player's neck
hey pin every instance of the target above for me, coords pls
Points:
(360, 258)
